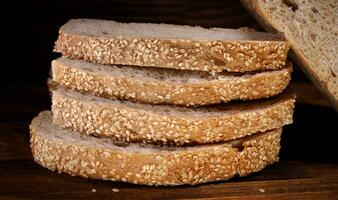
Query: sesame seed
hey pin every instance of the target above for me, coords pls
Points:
(76, 124)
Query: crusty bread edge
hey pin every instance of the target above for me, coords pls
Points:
(256, 10)
(124, 123)
(216, 56)
(198, 165)
(257, 86)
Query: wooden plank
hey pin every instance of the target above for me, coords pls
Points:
(284, 196)
(20, 176)
(40, 182)
(14, 140)
(308, 167)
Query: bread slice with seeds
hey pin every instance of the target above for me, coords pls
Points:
(167, 86)
(66, 151)
(171, 46)
(311, 27)
(127, 121)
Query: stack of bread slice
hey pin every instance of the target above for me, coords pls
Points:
(161, 104)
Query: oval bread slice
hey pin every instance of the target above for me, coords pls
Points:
(171, 46)
(167, 86)
(127, 121)
(311, 27)
(65, 151)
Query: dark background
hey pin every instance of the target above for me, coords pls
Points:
(33, 29)
(30, 64)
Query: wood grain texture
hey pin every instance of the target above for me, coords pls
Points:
(24, 178)
(308, 168)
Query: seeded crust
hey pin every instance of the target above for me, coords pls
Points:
(126, 121)
(179, 53)
(311, 28)
(164, 86)
(66, 151)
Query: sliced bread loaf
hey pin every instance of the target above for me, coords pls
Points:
(66, 151)
(311, 27)
(171, 46)
(127, 121)
(167, 86)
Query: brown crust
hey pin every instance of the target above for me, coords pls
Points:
(187, 166)
(236, 56)
(123, 122)
(254, 7)
(248, 87)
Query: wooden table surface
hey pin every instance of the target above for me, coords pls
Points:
(308, 167)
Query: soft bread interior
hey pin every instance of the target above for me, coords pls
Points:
(103, 28)
(43, 126)
(151, 74)
(206, 111)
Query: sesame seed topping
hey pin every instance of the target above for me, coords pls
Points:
(182, 166)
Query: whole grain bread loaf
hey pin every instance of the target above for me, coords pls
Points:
(165, 124)
(311, 27)
(167, 86)
(171, 46)
(66, 151)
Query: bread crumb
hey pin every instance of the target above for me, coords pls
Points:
(262, 190)
(115, 190)
(93, 190)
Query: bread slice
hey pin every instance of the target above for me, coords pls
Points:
(66, 151)
(311, 27)
(127, 121)
(171, 46)
(167, 86)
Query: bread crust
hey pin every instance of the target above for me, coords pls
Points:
(161, 167)
(175, 126)
(329, 87)
(203, 55)
(240, 87)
